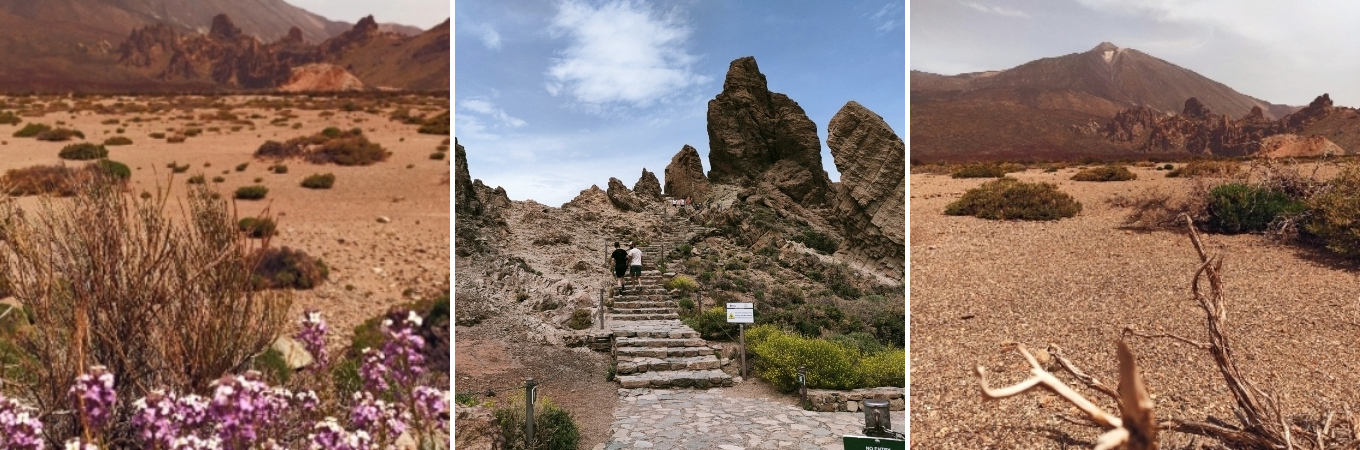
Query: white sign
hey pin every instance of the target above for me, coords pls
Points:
(741, 305)
(741, 316)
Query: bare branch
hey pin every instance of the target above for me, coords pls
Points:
(1088, 380)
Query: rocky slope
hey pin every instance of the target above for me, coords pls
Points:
(1197, 130)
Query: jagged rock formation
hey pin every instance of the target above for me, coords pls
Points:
(685, 175)
(1197, 130)
(591, 199)
(869, 203)
(622, 198)
(478, 210)
(647, 186)
(321, 77)
(227, 57)
(755, 135)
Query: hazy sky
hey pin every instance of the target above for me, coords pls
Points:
(419, 13)
(1279, 51)
(552, 97)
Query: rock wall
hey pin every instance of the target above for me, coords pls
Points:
(869, 205)
(751, 130)
(685, 175)
(851, 401)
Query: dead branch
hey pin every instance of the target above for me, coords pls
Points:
(1088, 380)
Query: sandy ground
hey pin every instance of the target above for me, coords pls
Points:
(979, 285)
(371, 263)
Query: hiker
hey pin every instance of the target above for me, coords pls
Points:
(620, 260)
(672, 203)
(689, 200)
(635, 263)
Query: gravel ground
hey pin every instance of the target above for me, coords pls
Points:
(978, 286)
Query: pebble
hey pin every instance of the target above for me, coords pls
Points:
(709, 419)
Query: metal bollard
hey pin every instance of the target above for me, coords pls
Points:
(529, 412)
(877, 419)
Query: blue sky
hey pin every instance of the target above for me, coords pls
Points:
(1278, 51)
(552, 97)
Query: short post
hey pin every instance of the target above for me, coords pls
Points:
(602, 308)
(741, 333)
(802, 382)
(529, 413)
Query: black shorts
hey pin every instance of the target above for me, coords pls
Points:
(636, 270)
(619, 271)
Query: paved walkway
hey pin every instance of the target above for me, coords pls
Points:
(667, 419)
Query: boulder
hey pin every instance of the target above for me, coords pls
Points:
(685, 175)
(294, 353)
(621, 197)
(870, 198)
(647, 187)
(751, 129)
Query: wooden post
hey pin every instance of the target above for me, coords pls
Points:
(529, 413)
(602, 308)
(741, 333)
(802, 382)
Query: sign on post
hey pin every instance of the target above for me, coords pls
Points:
(741, 314)
(872, 443)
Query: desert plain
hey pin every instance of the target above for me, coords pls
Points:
(981, 287)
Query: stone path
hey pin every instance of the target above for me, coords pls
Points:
(667, 419)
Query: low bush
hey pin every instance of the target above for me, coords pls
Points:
(319, 181)
(196, 179)
(332, 132)
(282, 268)
(31, 130)
(157, 135)
(59, 134)
(580, 319)
(274, 149)
(83, 151)
(1105, 173)
(438, 124)
(257, 227)
(821, 242)
(682, 283)
(1334, 215)
(38, 180)
(979, 170)
(1012, 199)
(554, 427)
(242, 167)
(1196, 169)
(437, 156)
(351, 151)
(253, 192)
(838, 364)
(9, 118)
(278, 169)
(118, 140)
(176, 139)
(712, 324)
(112, 168)
(1240, 208)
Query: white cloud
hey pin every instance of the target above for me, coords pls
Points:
(490, 37)
(487, 108)
(995, 10)
(887, 17)
(620, 53)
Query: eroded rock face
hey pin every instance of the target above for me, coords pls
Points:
(647, 186)
(593, 198)
(621, 197)
(323, 78)
(1197, 130)
(685, 175)
(751, 130)
(477, 428)
(479, 211)
(1293, 145)
(870, 199)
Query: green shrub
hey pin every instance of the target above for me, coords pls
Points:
(257, 227)
(1168, 166)
(1196, 169)
(554, 427)
(196, 179)
(1241, 208)
(712, 324)
(580, 319)
(31, 130)
(437, 156)
(253, 192)
(438, 124)
(278, 169)
(176, 139)
(59, 134)
(288, 268)
(821, 242)
(351, 151)
(157, 135)
(319, 181)
(9, 118)
(118, 140)
(242, 167)
(979, 170)
(1334, 218)
(829, 366)
(113, 168)
(83, 151)
(1105, 173)
(683, 283)
(37, 180)
(686, 303)
(332, 132)
(273, 366)
(885, 368)
(1011, 199)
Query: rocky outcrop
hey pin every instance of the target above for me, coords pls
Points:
(591, 199)
(870, 199)
(752, 130)
(479, 211)
(685, 175)
(1197, 130)
(1319, 109)
(465, 201)
(647, 187)
(321, 78)
(1293, 145)
(621, 197)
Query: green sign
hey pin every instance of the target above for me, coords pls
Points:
(873, 443)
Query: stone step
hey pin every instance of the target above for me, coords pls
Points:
(686, 333)
(643, 316)
(661, 352)
(656, 303)
(628, 365)
(651, 342)
(676, 378)
(661, 310)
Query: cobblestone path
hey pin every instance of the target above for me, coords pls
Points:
(666, 419)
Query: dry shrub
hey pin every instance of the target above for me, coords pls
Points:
(1105, 173)
(282, 268)
(1011, 199)
(38, 180)
(162, 303)
(1196, 169)
(1334, 218)
(1158, 208)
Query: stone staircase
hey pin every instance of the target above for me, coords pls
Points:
(652, 348)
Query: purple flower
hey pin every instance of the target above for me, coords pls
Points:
(400, 360)
(431, 403)
(19, 428)
(328, 434)
(313, 337)
(93, 395)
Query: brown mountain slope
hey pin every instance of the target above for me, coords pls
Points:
(268, 20)
(1038, 109)
(420, 62)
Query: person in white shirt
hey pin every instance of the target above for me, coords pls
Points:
(634, 263)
